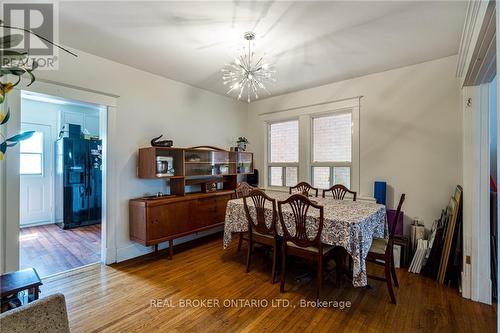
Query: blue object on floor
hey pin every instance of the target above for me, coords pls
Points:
(379, 190)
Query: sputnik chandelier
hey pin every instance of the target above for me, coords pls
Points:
(246, 75)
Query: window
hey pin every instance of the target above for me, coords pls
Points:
(283, 159)
(31, 158)
(328, 137)
(332, 150)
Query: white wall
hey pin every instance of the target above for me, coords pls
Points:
(410, 131)
(149, 105)
(409, 124)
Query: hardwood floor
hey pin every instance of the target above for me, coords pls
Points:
(119, 298)
(50, 249)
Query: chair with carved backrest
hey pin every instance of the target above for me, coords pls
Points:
(339, 191)
(299, 243)
(304, 188)
(382, 251)
(242, 190)
(261, 225)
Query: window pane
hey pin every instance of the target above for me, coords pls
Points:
(332, 138)
(33, 144)
(31, 164)
(284, 142)
(276, 176)
(291, 176)
(321, 177)
(342, 175)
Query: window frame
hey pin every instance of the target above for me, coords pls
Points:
(282, 165)
(41, 154)
(304, 114)
(331, 164)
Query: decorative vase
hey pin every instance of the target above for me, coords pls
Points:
(242, 146)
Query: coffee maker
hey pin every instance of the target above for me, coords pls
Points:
(164, 166)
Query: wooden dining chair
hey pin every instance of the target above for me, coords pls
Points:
(242, 189)
(298, 243)
(382, 253)
(304, 188)
(339, 191)
(261, 226)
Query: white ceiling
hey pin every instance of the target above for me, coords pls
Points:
(311, 43)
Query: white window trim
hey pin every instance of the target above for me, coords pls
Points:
(279, 164)
(305, 115)
(331, 165)
(42, 159)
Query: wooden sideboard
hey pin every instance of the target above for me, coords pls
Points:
(156, 220)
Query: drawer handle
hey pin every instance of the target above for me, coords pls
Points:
(155, 221)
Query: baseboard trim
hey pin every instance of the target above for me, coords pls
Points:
(136, 250)
(110, 255)
(35, 224)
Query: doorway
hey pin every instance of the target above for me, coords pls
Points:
(60, 169)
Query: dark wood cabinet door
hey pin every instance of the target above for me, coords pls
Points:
(168, 220)
(203, 213)
(220, 208)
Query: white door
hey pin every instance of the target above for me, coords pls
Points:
(35, 168)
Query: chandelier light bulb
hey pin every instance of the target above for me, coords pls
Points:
(247, 73)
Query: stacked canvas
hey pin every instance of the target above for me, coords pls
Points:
(444, 239)
(417, 232)
(420, 256)
(397, 256)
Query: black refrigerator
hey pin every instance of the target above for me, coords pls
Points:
(78, 182)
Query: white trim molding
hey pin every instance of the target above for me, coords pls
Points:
(304, 114)
(476, 68)
(9, 222)
(476, 277)
(469, 29)
(477, 50)
(11, 186)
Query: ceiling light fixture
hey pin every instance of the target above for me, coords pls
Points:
(245, 75)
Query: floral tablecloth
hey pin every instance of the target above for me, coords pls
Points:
(350, 224)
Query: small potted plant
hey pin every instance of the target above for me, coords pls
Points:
(242, 143)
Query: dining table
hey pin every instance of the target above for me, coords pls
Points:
(347, 223)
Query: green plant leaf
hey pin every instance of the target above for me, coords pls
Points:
(21, 136)
(6, 119)
(10, 41)
(18, 71)
(13, 54)
(3, 147)
(32, 78)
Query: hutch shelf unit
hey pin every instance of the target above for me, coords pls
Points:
(201, 181)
